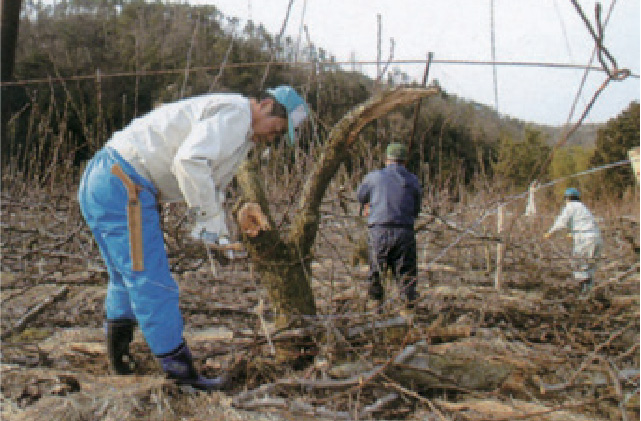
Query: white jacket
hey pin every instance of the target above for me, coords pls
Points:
(190, 151)
(578, 219)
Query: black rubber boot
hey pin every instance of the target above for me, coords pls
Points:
(119, 335)
(375, 294)
(586, 285)
(375, 290)
(179, 366)
(409, 294)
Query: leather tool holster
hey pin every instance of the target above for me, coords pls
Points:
(134, 218)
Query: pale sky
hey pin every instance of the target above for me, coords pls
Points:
(525, 30)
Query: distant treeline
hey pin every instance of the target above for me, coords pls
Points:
(85, 68)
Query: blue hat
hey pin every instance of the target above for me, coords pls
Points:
(295, 106)
(572, 192)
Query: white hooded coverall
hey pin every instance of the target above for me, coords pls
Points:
(586, 236)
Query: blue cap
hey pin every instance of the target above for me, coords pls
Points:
(295, 106)
(572, 192)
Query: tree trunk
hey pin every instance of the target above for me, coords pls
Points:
(281, 266)
(10, 22)
(9, 38)
(282, 259)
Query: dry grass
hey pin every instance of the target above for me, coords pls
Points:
(536, 328)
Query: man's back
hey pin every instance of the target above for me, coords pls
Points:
(394, 196)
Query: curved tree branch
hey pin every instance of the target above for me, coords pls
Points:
(335, 151)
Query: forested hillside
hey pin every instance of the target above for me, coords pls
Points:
(84, 69)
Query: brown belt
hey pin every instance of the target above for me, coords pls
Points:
(134, 218)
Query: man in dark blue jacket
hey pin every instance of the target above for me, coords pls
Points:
(391, 198)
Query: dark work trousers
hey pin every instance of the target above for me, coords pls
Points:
(393, 247)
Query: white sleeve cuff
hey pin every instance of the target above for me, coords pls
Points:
(216, 225)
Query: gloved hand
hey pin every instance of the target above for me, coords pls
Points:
(221, 243)
(208, 237)
(231, 250)
(252, 220)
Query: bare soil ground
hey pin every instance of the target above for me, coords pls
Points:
(535, 349)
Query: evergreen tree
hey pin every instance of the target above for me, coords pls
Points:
(619, 135)
(569, 161)
(518, 162)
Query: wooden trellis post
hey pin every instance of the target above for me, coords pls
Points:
(500, 248)
(633, 155)
(488, 259)
(530, 208)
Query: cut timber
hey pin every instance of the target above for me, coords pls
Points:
(395, 322)
(432, 371)
(210, 335)
(491, 409)
(456, 367)
(92, 349)
(34, 311)
(436, 267)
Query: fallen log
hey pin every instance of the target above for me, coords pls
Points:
(34, 311)
(495, 410)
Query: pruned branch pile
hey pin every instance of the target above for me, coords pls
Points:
(536, 349)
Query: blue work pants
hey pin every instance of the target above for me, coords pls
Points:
(150, 296)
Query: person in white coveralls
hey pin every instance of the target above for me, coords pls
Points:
(183, 151)
(586, 236)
